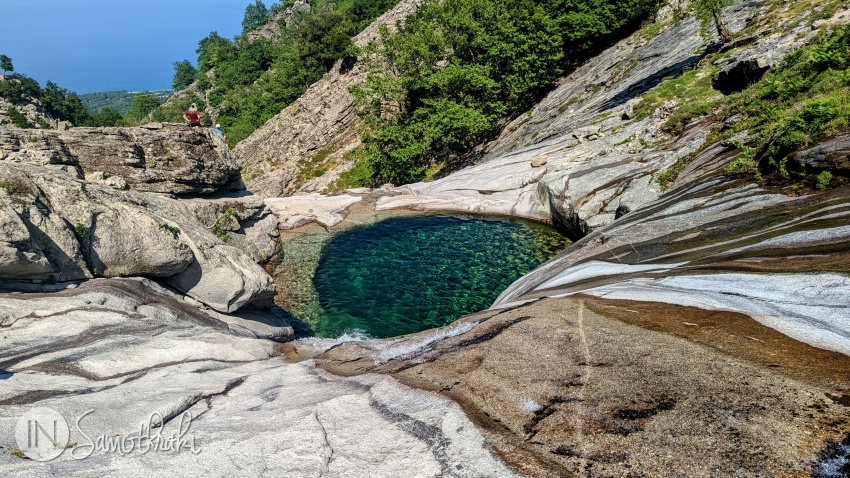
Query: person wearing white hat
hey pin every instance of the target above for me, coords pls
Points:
(219, 132)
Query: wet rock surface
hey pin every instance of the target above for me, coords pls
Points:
(568, 389)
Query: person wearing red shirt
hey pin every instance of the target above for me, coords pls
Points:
(193, 116)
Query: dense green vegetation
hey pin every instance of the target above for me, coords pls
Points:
(58, 102)
(447, 80)
(117, 100)
(248, 81)
(803, 100)
(98, 109)
(799, 103)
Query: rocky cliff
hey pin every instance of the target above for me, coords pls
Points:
(167, 158)
(318, 129)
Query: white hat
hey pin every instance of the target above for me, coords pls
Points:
(218, 125)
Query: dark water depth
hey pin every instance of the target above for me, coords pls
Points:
(408, 274)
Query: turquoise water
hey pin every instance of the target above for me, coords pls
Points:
(407, 274)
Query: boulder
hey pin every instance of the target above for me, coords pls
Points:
(833, 153)
(739, 75)
(169, 158)
(253, 228)
(539, 161)
(86, 230)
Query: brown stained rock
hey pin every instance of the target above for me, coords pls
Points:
(539, 161)
(565, 390)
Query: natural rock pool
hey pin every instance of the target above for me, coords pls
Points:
(406, 274)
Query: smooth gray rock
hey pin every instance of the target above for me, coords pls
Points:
(85, 229)
(126, 349)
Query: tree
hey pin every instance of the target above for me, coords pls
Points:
(213, 51)
(63, 104)
(256, 15)
(184, 75)
(142, 104)
(712, 10)
(106, 117)
(6, 64)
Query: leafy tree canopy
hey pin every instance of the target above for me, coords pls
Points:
(213, 51)
(6, 64)
(141, 106)
(106, 117)
(443, 82)
(256, 15)
(184, 75)
(248, 82)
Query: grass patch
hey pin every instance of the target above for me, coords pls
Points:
(692, 90)
(8, 186)
(359, 176)
(802, 102)
(570, 102)
(317, 165)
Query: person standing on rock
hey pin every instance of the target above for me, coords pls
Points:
(193, 116)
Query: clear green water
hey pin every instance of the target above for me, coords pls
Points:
(407, 274)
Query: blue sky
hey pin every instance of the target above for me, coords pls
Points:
(102, 45)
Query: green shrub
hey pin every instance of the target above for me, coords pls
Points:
(803, 100)
(223, 225)
(18, 119)
(442, 84)
(8, 187)
(823, 179)
(81, 231)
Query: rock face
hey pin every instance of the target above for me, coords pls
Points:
(128, 349)
(319, 124)
(58, 228)
(597, 388)
(597, 162)
(831, 154)
(173, 159)
(722, 244)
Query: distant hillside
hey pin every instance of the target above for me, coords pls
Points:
(119, 100)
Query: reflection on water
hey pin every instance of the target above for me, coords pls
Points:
(408, 274)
